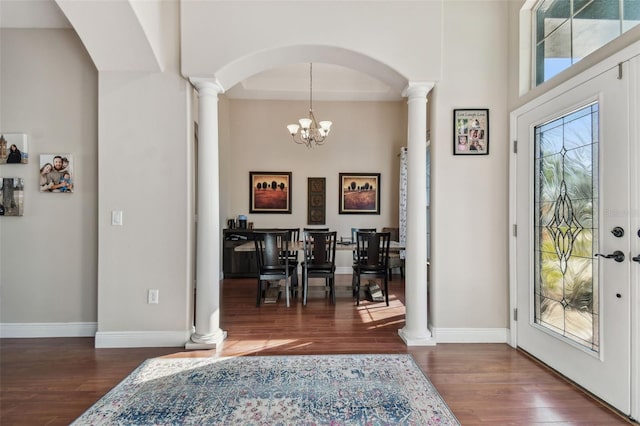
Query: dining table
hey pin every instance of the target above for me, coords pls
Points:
(394, 246)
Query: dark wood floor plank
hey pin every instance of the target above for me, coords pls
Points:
(53, 381)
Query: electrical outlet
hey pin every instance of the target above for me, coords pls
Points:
(153, 296)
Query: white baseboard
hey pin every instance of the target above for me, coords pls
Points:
(471, 335)
(48, 329)
(141, 339)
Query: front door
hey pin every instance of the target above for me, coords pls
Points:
(573, 263)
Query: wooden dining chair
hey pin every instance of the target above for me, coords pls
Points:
(372, 252)
(354, 233)
(272, 254)
(319, 261)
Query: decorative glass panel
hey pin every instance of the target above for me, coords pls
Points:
(566, 200)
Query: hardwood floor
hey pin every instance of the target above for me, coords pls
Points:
(52, 381)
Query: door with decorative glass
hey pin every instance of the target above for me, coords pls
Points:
(572, 266)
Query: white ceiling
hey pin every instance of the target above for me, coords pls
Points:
(330, 82)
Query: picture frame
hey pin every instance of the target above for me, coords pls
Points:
(57, 173)
(13, 148)
(270, 192)
(11, 196)
(470, 131)
(359, 193)
(316, 201)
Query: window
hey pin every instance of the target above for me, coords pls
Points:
(565, 31)
(566, 226)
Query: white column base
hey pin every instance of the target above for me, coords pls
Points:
(421, 340)
(211, 341)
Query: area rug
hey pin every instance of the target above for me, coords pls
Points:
(274, 390)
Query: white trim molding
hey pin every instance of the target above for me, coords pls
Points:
(471, 335)
(48, 329)
(141, 339)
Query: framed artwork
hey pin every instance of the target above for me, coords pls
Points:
(11, 196)
(316, 200)
(470, 131)
(13, 148)
(270, 192)
(359, 193)
(56, 173)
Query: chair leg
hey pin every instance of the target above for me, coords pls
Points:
(353, 283)
(305, 286)
(295, 281)
(386, 290)
(390, 274)
(332, 287)
(287, 287)
(327, 285)
(357, 290)
(259, 292)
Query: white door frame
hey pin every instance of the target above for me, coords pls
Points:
(621, 56)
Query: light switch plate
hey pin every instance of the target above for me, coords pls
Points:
(116, 218)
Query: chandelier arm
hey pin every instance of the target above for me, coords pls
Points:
(309, 133)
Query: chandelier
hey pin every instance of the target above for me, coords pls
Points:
(309, 132)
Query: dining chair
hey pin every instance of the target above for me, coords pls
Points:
(372, 251)
(354, 233)
(272, 254)
(319, 261)
(395, 261)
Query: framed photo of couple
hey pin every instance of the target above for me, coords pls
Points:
(470, 131)
(56, 173)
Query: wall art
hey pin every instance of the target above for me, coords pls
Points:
(359, 193)
(470, 131)
(11, 196)
(56, 173)
(13, 148)
(270, 192)
(316, 201)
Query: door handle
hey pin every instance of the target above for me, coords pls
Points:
(617, 255)
(636, 259)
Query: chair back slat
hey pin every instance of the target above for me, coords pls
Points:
(372, 249)
(320, 248)
(272, 249)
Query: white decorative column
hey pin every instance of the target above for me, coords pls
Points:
(208, 333)
(416, 331)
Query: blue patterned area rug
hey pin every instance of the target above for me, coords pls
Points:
(274, 390)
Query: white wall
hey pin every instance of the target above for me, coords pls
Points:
(469, 193)
(48, 257)
(406, 35)
(146, 157)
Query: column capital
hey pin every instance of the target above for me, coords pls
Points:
(207, 85)
(418, 89)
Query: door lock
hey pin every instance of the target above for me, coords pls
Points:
(617, 232)
(617, 255)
